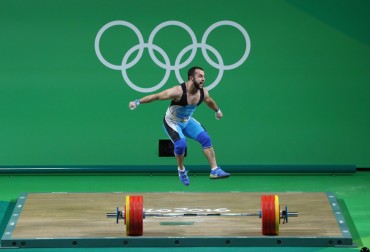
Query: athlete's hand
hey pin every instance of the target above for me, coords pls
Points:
(218, 114)
(132, 105)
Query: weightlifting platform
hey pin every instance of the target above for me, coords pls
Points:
(63, 220)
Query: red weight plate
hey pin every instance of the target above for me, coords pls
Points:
(265, 216)
(268, 215)
(136, 216)
(139, 215)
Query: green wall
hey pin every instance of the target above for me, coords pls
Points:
(300, 97)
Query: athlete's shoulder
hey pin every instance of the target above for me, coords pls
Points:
(175, 92)
(205, 91)
(178, 88)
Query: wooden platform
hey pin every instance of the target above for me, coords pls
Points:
(79, 219)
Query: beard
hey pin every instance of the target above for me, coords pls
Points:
(197, 85)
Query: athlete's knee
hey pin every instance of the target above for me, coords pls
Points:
(204, 139)
(180, 146)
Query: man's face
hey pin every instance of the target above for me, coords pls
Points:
(199, 79)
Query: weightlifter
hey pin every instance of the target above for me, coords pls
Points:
(179, 123)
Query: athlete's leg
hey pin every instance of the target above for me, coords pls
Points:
(204, 139)
(180, 147)
(174, 132)
(177, 137)
(210, 155)
(196, 131)
(180, 162)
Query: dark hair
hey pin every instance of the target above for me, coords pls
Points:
(191, 71)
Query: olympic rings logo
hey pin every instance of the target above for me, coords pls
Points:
(167, 65)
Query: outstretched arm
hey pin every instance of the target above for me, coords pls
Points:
(212, 104)
(171, 93)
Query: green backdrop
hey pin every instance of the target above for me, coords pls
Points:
(301, 97)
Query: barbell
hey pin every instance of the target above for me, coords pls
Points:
(270, 213)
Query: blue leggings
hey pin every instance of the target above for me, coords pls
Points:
(178, 131)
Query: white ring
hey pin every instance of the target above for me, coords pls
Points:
(247, 44)
(114, 23)
(182, 25)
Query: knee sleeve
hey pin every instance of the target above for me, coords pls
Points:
(204, 139)
(180, 146)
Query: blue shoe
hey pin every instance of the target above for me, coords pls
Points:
(218, 173)
(183, 175)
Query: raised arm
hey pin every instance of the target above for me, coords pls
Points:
(173, 93)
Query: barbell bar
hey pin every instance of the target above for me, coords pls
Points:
(270, 213)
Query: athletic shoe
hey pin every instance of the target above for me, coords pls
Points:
(218, 173)
(183, 175)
